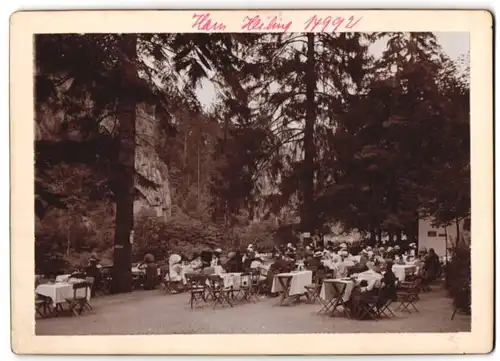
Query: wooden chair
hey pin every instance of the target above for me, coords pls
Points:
(246, 286)
(366, 306)
(78, 303)
(219, 293)
(43, 305)
(407, 296)
(196, 284)
(255, 284)
(383, 306)
(166, 284)
(314, 289)
(326, 304)
(338, 300)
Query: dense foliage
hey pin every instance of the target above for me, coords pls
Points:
(458, 278)
(306, 129)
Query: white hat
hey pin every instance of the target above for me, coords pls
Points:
(308, 248)
(343, 245)
(289, 245)
(368, 248)
(396, 247)
(218, 250)
(318, 254)
(381, 249)
(413, 245)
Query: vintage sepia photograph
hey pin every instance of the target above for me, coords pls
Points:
(252, 183)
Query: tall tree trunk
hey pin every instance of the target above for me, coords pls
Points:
(125, 172)
(307, 211)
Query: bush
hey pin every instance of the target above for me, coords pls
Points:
(184, 235)
(458, 278)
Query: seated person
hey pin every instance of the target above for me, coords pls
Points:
(280, 265)
(234, 263)
(258, 264)
(206, 258)
(389, 282)
(315, 263)
(361, 266)
(308, 252)
(196, 264)
(215, 261)
(176, 273)
(249, 257)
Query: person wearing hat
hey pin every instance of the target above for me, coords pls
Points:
(314, 263)
(216, 257)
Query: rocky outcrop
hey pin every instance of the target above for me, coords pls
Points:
(153, 196)
(152, 183)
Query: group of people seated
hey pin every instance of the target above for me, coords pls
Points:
(213, 262)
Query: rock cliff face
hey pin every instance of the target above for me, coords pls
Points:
(153, 196)
(152, 183)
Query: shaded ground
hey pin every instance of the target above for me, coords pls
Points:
(154, 312)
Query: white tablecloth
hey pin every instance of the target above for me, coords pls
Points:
(373, 279)
(59, 292)
(297, 286)
(348, 262)
(233, 280)
(327, 291)
(63, 278)
(401, 271)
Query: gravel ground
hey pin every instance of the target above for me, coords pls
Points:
(154, 312)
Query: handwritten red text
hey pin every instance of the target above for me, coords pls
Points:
(273, 23)
(330, 24)
(204, 22)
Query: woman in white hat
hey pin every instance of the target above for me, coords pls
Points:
(216, 257)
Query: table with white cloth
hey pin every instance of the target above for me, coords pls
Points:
(59, 292)
(332, 266)
(291, 284)
(327, 292)
(403, 270)
(373, 279)
(232, 280)
(63, 278)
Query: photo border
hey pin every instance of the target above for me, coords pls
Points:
(23, 25)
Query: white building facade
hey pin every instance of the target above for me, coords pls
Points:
(441, 238)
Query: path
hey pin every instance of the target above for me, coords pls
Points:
(153, 312)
